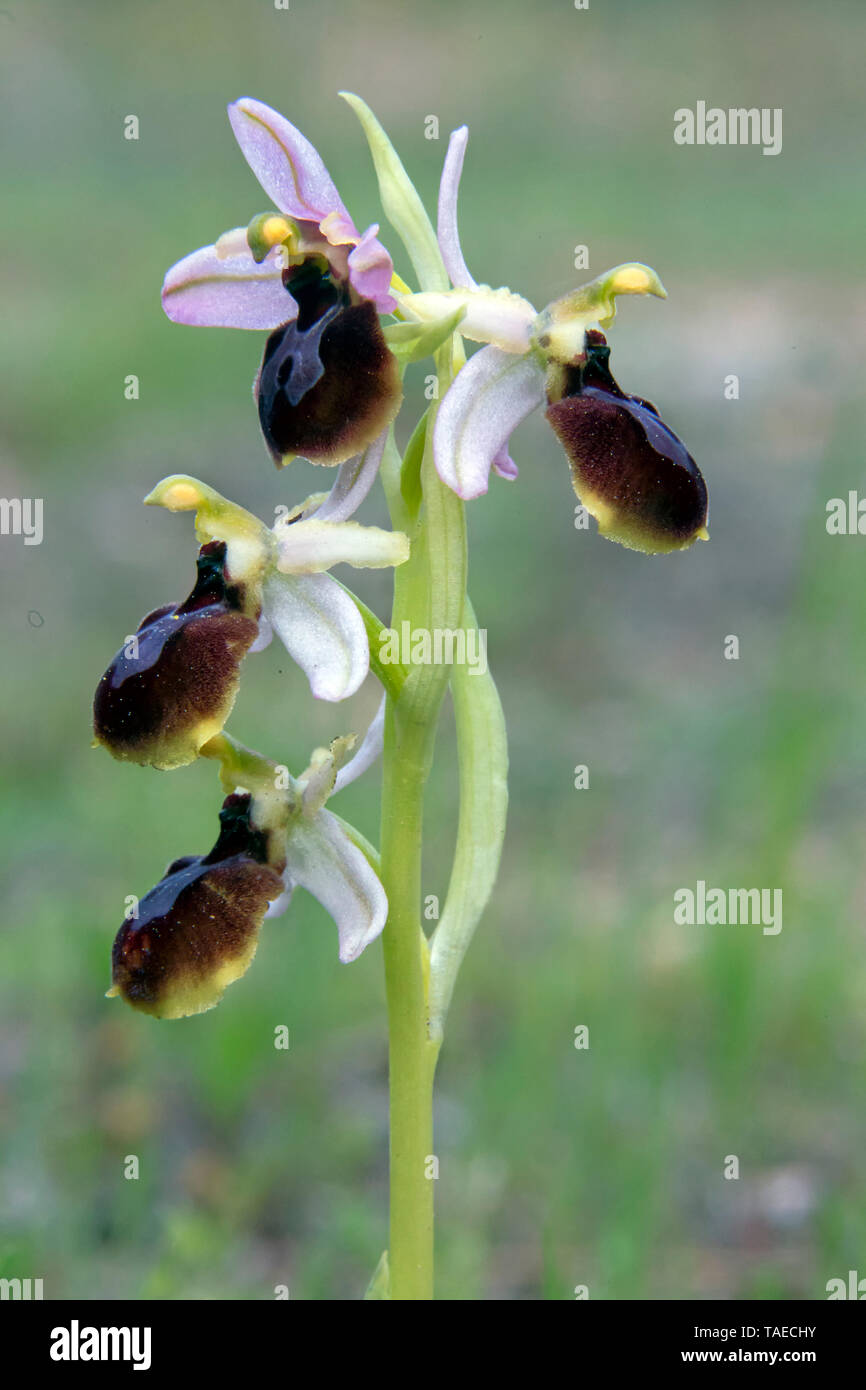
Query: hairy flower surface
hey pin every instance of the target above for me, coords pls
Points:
(630, 471)
(173, 684)
(197, 931)
(328, 384)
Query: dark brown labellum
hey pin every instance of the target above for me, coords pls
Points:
(172, 686)
(328, 384)
(629, 470)
(197, 930)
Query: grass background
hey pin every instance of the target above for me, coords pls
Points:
(558, 1167)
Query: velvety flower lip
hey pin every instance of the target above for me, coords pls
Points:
(172, 686)
(196, 932)
(225, 285)
(287, 567)
(629, 470)
(507, 379)
(328, 384)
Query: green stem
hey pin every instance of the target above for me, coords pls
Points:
(429, 594)
(411, 1059)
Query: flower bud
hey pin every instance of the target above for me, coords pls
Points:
(172, 685)
(328, 384)
(629, 470)
(196, 932)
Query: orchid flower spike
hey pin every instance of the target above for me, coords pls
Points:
(171, 687)
(197, 931)
(328, 384)
(629, 470)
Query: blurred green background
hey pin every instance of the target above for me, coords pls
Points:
(558, 1167)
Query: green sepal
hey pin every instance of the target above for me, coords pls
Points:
(412, 342)
(401, 202)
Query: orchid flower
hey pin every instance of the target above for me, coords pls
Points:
(172, 686)
(197, 931)
(629, 470)
(328, 384)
